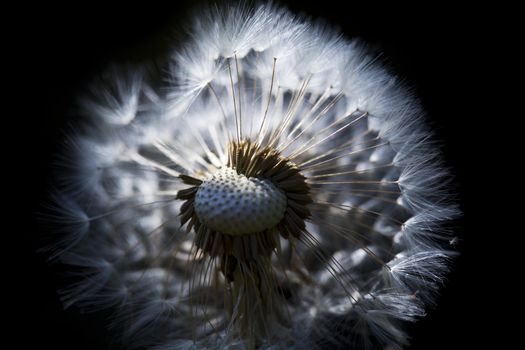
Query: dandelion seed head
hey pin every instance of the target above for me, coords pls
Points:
(284, 193)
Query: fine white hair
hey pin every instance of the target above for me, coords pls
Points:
(377, 248)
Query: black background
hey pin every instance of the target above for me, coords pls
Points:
(61, 48)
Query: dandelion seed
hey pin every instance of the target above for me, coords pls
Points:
(284, 194)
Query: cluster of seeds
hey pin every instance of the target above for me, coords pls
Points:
(232, 204)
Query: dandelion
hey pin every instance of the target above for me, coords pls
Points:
(283, 194)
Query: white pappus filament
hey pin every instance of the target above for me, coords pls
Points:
(283, 194)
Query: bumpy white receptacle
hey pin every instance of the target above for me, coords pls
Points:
(231, 203)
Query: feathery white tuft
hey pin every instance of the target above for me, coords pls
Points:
(374, 250)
